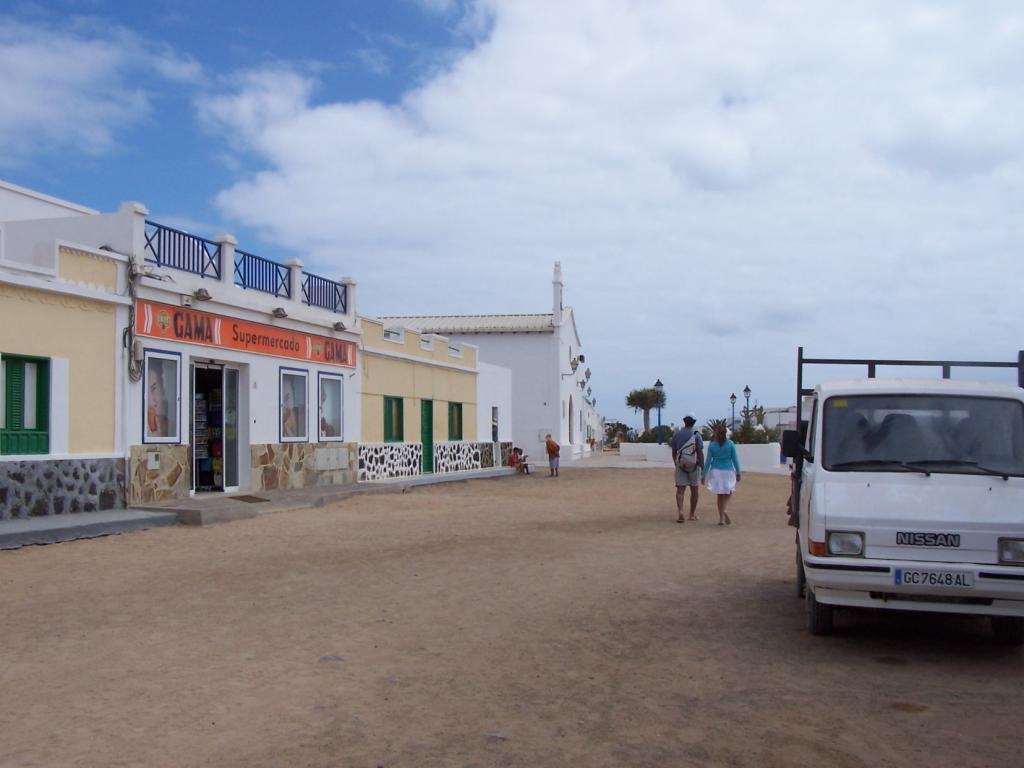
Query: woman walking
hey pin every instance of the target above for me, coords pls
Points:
(722, 470)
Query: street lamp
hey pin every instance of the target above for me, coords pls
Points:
(659, 388)
(732, 399)
(746, 411)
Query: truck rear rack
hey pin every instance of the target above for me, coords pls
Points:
(947, 367)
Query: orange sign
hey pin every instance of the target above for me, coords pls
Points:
(162, 321)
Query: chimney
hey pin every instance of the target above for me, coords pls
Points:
(556, 290)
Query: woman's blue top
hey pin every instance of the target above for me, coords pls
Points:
(721, 456)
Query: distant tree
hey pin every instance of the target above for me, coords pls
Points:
(708, 430)
(644, 400)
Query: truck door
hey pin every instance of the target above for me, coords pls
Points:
(807, 470)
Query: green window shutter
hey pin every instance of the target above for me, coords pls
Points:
(43, 396)
(454, 421)
(14, 396)
(14, 437)
(393, 420)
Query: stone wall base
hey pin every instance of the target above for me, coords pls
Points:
(60, 486)
(302, 465)
(158, 473)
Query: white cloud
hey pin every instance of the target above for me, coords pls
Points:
(841, 175)
(75, 86)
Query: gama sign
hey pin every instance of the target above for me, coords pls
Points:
(163, 321)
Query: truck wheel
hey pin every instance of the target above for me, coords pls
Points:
(801, 578)
(1008, 630)
(819, 615)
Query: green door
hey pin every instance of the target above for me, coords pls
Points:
(427, 433)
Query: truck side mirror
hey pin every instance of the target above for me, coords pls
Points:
(792, 445)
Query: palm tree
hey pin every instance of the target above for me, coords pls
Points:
(644, 400)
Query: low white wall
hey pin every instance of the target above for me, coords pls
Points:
(762, 458)
(753, 458)
(645, 451)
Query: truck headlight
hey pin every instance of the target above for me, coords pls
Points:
(1011, 551)
(846, 543)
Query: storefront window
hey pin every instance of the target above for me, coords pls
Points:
(161, 378)
(293, 405)
(330, 407)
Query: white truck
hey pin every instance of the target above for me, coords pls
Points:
(908, 494)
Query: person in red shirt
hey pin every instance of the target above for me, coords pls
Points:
(553, 450)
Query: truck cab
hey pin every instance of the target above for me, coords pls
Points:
(908, 494)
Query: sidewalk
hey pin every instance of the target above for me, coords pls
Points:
(209, 508)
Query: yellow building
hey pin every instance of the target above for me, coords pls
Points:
(62, 306)
(418, 405)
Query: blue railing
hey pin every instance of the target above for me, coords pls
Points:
(327, 294)
(252, 271)
(173, 248)
(169, 247)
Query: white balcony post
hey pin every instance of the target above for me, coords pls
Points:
(295, 278)
(350, 296)
(227, 243)
(138, 213)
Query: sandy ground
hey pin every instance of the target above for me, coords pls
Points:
(510, 622)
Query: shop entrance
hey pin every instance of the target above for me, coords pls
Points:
(214, 427)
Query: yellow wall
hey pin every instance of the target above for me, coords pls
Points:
(373, 338)
(87, 268)
(414, 381)
(85, 333)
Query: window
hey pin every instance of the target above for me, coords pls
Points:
(947, 434)
(25, 415)
(454, 421)
(494, 423)
(426, 343)
(160, 382)
(331, 394)
(293, 405)
(395, 334)
(454, 349)
(393, 432)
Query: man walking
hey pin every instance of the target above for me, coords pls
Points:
(688, 456)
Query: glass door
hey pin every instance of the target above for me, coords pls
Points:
(230, 428)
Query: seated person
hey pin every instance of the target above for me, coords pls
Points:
(518, 461)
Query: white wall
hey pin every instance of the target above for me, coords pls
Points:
(535, 405)
(17, 203)
(493, 389)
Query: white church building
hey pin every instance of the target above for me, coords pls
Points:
(549, 372)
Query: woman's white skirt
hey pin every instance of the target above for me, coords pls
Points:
(721, 481)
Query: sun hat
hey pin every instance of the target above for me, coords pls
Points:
(690, 415)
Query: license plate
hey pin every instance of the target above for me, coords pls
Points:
(914, 578)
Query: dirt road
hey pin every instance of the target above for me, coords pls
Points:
(512, 622)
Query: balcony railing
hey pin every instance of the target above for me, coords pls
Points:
(327, 294)
(259, 274)
(173, 248)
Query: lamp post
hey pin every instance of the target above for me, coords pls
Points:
(732, 400)
(659, 388)
(746, 411)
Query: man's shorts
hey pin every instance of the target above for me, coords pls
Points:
(687, 478)
(553, 462)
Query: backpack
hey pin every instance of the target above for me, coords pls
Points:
(686, 456)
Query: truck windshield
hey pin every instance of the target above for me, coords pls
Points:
(923, 433)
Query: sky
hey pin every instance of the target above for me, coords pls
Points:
(722, 181)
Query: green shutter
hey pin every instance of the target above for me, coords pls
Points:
(393, 420)
(454, 421)
(14, 396)
(43, 396)
(14, 438)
